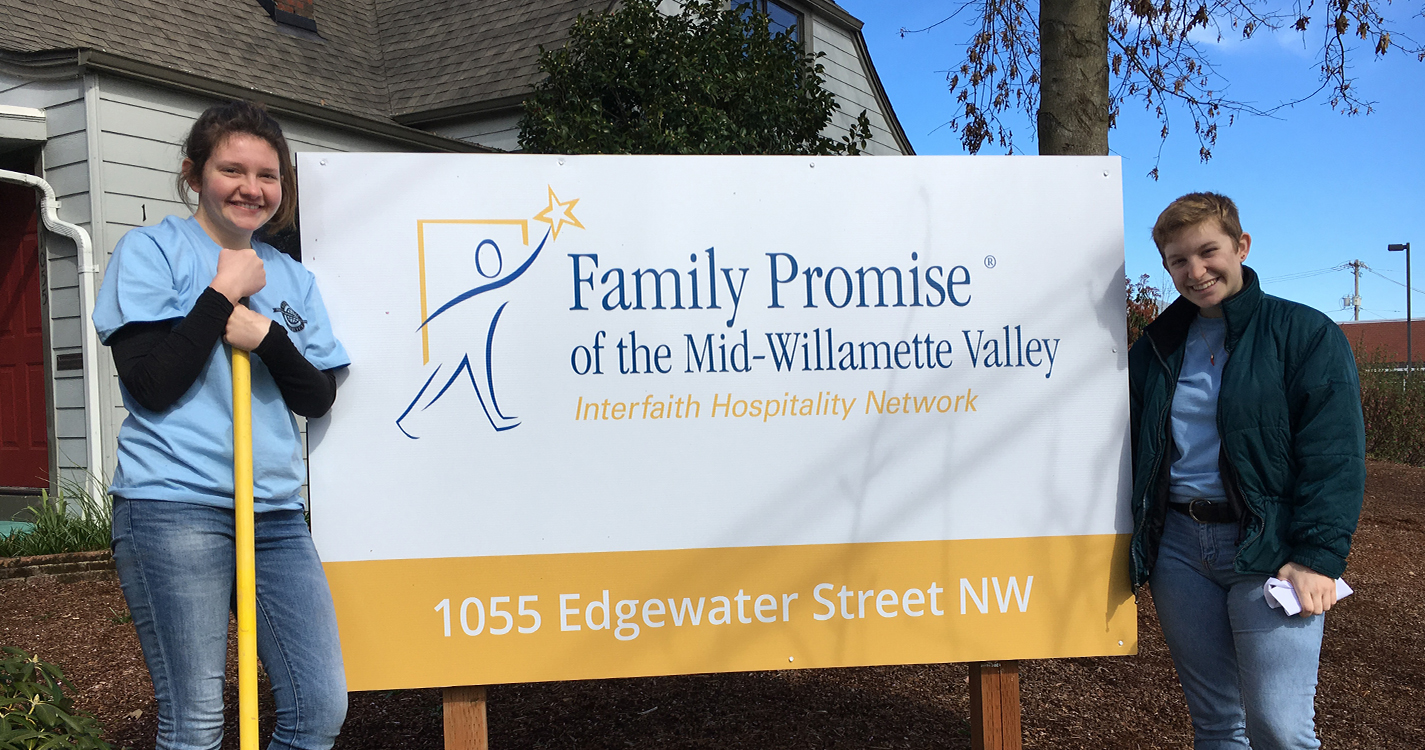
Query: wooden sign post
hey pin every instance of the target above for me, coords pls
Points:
(994, 711)
(466, 727)
(994, 706)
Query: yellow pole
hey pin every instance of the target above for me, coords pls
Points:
(246, 573)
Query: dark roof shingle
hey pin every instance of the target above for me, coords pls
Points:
(383, 59)
(235, 42)
(440, 55)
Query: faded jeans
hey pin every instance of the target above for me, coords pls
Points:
(1248, 671)
(176, 565)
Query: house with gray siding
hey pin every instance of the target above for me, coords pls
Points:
(95, 98)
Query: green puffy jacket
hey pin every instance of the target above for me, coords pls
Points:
(1289, 415)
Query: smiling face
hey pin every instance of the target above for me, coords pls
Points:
(1206, 265)
(239, 189)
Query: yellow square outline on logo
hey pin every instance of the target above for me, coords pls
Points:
(523, 224)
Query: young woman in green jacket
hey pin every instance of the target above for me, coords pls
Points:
(1248, 462)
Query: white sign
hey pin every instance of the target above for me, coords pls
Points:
(559, 362)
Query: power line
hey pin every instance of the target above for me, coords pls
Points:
(1307, 274)
(1393, 281)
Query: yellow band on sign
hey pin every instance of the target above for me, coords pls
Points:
(529, 618)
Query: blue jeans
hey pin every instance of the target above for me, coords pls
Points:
(176, 565)
(1248, 671)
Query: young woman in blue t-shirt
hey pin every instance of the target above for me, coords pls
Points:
(175, 297)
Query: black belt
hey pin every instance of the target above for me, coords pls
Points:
(1204, 511)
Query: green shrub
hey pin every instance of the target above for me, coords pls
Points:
(57, 529)
(34, 711)
(1394, 409)
(709, 79)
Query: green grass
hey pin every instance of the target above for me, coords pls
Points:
(72, 521)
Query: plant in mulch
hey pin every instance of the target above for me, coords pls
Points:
(35, 714)
(1144, 304)
(71, 521)
(1394, 410)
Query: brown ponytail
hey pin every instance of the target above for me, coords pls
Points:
(219, 122)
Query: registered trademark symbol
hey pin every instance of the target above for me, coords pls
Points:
(989, 261)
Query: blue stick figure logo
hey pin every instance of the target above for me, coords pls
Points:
(470, 315)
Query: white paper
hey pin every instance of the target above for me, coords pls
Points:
(1280, 595)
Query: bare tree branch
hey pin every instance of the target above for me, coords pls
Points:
(1159, 56)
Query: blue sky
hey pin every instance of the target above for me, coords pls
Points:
(1316, 189)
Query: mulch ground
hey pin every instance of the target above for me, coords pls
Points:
(1372, 678)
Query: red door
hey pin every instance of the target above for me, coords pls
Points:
(24, 438)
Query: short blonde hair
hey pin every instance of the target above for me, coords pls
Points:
(1193, 209)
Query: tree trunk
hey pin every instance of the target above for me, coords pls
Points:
(1073, 69)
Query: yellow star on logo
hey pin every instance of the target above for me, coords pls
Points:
(566, 213)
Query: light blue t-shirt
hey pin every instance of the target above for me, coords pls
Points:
(185, 453)
(1195, 471)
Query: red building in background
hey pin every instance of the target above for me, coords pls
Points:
(1385, 339)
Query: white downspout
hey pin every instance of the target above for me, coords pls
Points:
(90, 338)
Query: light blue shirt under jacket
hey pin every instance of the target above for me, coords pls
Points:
(185, 453)
(1195, 472)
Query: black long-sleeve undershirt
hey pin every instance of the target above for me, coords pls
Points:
(309, 392)
(158, 362)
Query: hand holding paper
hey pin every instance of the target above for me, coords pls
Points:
(1280, 595)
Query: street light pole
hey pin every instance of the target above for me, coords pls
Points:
(1409, 354)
